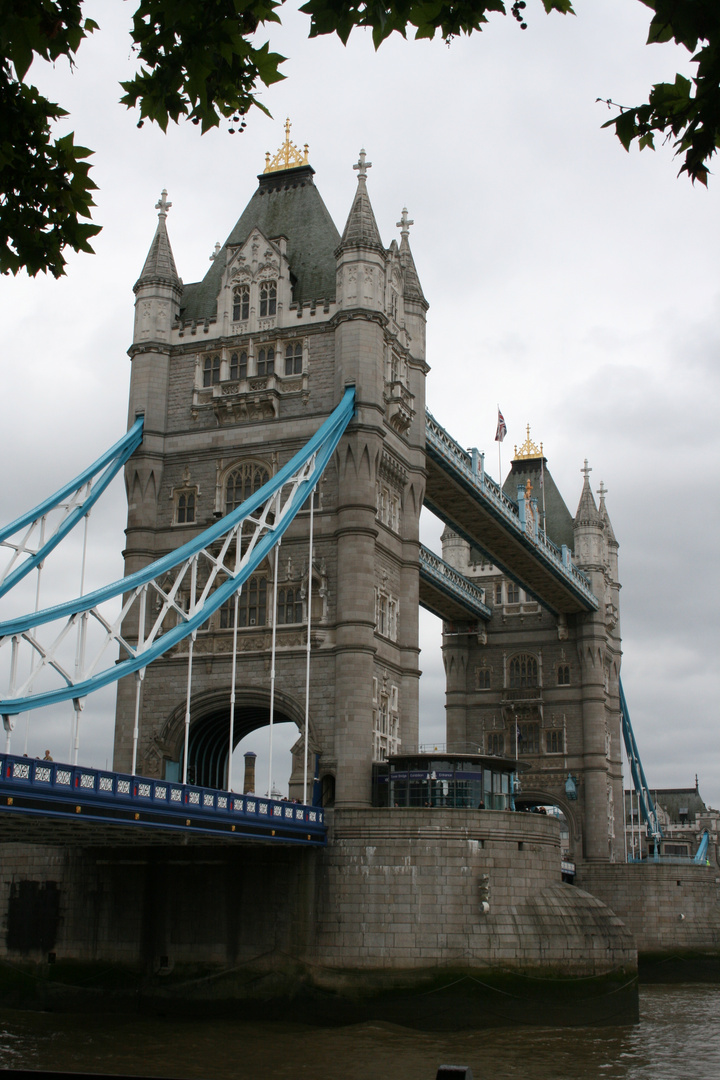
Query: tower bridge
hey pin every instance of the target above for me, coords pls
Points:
(273, 572)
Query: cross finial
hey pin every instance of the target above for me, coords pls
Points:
(404, 223)
(162, 204)
(602, 490)
(586, 470)
(362, 166)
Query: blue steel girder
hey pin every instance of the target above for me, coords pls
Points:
(476, 508)
(221, 552)
(447, 593)
(645, 799)
(38, 535)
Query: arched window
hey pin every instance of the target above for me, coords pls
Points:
(482, 679)
(241, 303)
(563, 675)
(293, 359)
(243, 482)
(185, 508)
(268, 298)
(252, 604)
(290, 609)
(555, 742)
(495, 742)
(266, 361)
(211, 371)
(238, 365)
(523, 671)
(513, 593)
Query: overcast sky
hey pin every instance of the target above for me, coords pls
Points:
(576, 285)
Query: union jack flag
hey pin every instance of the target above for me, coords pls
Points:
(501, 428)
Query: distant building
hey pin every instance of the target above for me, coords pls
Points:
(683, 818)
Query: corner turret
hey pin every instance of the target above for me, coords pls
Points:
(158, 290)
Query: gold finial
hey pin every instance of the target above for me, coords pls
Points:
(528, 449)
(288, 156)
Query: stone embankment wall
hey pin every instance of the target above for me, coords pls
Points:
(428, 917)
(668, 908)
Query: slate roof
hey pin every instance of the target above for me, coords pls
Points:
(361, 227)
(673, 800)
(159, 266)
(558, 519)
(413, 288)
(587, 511)
(288, 204)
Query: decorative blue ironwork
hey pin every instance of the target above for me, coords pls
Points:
(447, 452)
(267, 517)
(74, 500)
(647, 806)
(49, 789)
(448, 580)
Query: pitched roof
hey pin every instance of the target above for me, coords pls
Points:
(286, 203)
(159, 268)
(558, 519)
(361, 227)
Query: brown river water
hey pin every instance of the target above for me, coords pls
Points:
(678, 1036)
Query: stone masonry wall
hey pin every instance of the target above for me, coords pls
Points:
(667, 908)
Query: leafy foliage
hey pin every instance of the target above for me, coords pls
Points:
(686, 110)
(198, 59)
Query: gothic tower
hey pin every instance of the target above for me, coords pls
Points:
(541, 685)
(233, 375)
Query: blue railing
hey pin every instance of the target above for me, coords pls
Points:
(454, 584)
(443, 448)
(45, 788)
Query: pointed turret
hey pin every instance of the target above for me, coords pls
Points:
(602, 510)
(589, 529)
(587, 511)
(158, 290)
(413, 288)
(361, 229)
(159, 268)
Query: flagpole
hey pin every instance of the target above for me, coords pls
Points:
(542, 485)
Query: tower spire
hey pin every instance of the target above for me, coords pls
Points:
(361, 228)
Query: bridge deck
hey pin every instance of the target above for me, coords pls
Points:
(447, 593)
(32, 790)
(475, 508)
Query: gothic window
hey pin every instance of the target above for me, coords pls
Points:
(290, 608)
(238, 365)
(266, 361)
(293, 359)
(393, 304)
(241, 303)
(555, 742)
(211, 371)
(523, 672)
(185, 507)
(388, 507)
(498, 592)
(563, 675)
(513, 593)
(243, 482)
(252, 609)
(268, 298)
(386, 615)
(386, 721)
(495, 742)
(482, 679)
(528, 738)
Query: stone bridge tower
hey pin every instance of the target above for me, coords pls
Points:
(547, 681)
(233, 375)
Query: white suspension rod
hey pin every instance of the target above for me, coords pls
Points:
(272, 671)
(307, 654)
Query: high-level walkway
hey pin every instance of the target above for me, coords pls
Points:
(475, 507)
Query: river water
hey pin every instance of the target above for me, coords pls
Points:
(678, 1036)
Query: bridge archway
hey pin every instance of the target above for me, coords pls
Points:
(534, 798)
(209, 735)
